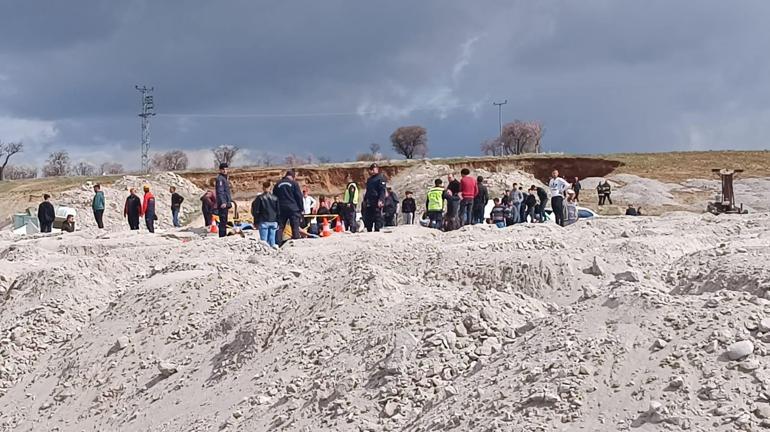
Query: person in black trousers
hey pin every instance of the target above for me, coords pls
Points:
(224, 199)
(46, 214)
(374, 199)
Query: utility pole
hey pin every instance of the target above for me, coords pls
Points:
(499, 106)
(148, 107)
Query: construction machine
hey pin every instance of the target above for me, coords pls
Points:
(725, 202)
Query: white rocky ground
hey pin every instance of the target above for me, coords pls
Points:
(613, 324)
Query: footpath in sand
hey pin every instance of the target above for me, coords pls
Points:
(611, 324)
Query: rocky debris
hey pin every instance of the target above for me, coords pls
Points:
(739, 350)
(596, 268)
(474, 330)
(627, 276)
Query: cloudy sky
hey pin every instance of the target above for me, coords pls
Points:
(330, 77)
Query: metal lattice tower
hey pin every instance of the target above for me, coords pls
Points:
(148, 107)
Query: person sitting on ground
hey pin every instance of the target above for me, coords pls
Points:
(570, 208)
(335, 210)
(498, 214)
(408, 208)
(69, 224)
(451, 219)
(631, 211)
(46, 214)
(264, 210)
(434, 204)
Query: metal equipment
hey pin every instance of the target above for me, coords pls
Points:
(725, 202)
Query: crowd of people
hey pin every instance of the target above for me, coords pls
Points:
(285, 210)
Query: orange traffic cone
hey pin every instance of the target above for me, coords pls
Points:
(338, 227)
(213, 228)
(326, 231)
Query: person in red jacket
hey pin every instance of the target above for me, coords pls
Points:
(469, 188)
(148, 209)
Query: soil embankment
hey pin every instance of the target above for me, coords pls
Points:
(330, 179)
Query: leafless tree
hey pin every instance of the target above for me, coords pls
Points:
(374, 154)
(492, 147)
(175, 160)
(57, 165)
(324, 159)
(410, 141)
(20, 172)
(267, 159)
(6, 151)
(521, 137)
(111, 168)
(83, 169)
(225, 154)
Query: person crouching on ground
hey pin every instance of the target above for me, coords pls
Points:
(69, 224)
(265, 210)
(148, 209)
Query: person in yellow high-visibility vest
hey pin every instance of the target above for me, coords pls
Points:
(435, 204)
(349, 204)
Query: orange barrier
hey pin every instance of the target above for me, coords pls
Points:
(326, 231)
(338, 226)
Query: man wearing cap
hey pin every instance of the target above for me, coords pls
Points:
(224, 199)
(290, 204)
(374, 199)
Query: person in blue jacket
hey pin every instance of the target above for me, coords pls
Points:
(224, 199)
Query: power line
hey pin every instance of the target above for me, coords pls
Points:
(148, 107)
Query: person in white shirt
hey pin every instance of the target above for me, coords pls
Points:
(308, 202)
(558, 187)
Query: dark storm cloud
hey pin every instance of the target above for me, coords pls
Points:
(602, 75)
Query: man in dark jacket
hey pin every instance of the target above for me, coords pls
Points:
(480, 202)
(452, 218)
(176, 205)
(265, 211)
(453, 184)
(290, 204)
(133, 209)
(224, 198)
(46, 214)
(208, 207)
(374, 199)
(576, 186)
(390, 207)
(530, 201)
(408, 208)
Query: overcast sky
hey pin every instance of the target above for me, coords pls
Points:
(330, 77)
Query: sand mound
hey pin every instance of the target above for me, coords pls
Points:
(533, 327)
(115, 197)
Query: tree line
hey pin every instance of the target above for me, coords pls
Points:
(411, 142)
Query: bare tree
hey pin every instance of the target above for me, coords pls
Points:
(374, 154)
(267, 159)
(293, 160)
(6, 151)
(57, 165)
(225, 154)
(324, 159)
(20, 172)
(521, 137)
(492, 147)
(410, 141)
(175, 160)
(111, 168)
(83, 169)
